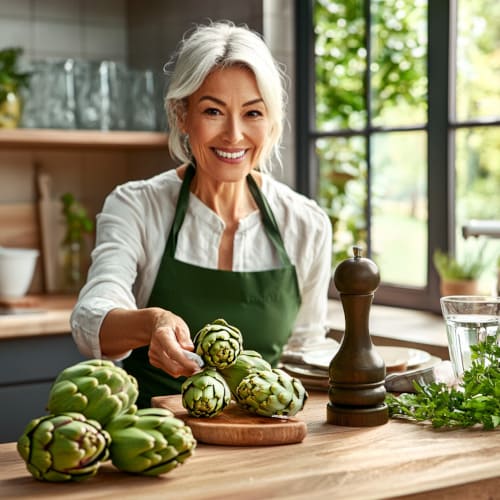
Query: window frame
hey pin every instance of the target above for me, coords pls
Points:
(440, 158)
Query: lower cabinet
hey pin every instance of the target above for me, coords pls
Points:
(28, 367)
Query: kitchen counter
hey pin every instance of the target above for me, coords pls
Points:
(49, 314)
(37, 315)
(395, 460)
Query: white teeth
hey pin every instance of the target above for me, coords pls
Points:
(230, 156)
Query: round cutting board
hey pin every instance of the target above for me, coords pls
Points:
(236, 427)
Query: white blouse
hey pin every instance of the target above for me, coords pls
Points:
(131, 234)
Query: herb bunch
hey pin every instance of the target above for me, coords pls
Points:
(77, 221)
(476, 400)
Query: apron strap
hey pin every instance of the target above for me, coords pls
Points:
(270, 224)
(180, 211)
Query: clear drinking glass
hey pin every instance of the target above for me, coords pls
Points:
(49, 102)
(470, 319)
(101, 95)
(142, 103)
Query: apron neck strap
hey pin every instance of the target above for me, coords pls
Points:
(270, 225)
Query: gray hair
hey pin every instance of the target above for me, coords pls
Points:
(223, 44)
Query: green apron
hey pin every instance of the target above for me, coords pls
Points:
(262, 304)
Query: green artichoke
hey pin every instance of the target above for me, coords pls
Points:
(218, 343)
(65, 447)
(271, 392)
(97, 388)
(150, 442)
(247, 362)
(205, 394)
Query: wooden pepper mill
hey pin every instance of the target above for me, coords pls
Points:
(357, 371)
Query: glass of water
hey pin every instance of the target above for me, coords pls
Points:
(470, 319)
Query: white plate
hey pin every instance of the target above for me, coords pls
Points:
(305, 371)
(394, 357)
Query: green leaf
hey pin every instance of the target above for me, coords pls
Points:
(77, 221)
(476, 400)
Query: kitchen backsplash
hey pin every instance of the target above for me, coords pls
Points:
(55, 29)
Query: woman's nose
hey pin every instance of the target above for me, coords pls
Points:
(233, 129)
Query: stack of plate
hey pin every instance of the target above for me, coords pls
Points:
(311, 365)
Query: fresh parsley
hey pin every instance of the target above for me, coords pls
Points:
(475, 401)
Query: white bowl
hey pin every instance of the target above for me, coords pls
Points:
(17, 266)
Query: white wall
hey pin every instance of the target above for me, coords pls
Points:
(279, 35)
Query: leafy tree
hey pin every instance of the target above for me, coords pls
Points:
(397, 80)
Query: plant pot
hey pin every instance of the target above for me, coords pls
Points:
(458, 287)
(10, 111)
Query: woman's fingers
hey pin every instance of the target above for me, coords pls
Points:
(166, 349)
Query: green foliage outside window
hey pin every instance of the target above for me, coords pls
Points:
(398, 84)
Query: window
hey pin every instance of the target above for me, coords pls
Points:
(398, 131)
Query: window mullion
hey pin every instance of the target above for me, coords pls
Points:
(306, 169)
(440, 179)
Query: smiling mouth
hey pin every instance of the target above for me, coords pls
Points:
(234, 155)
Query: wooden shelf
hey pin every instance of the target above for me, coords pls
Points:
(81, 139)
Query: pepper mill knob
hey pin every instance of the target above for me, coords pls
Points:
(357, 372)
(357, 275)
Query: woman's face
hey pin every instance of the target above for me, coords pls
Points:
(227, 124)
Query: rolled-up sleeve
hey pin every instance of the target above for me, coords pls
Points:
(118, 253)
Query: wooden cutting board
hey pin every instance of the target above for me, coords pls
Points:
(236, 427)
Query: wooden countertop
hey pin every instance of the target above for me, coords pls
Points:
(389, 461)
(38, 315)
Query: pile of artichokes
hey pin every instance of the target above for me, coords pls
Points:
(93, 418)
(232, 372)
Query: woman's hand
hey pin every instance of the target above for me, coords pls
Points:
(169, 336)
(164, 332)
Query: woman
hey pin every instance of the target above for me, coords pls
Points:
(215, 238)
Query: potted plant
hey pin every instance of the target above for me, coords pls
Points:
(11, 81)
(78, 224)
(460, 276)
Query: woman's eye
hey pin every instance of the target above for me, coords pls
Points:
(254, 113)
(211, 111)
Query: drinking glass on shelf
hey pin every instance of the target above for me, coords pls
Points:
(142, 102)
(50, 101)
(469, 319)
(61, 104)
(101, 95)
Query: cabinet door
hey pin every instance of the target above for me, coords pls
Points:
(20, 404)
(35, 359)
(28, 367)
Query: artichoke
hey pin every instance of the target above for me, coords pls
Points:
(218, 343)
(205, 394)
(65, 447)
(150, 442)
(271, 392)
(247, 362)
(97, 388)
